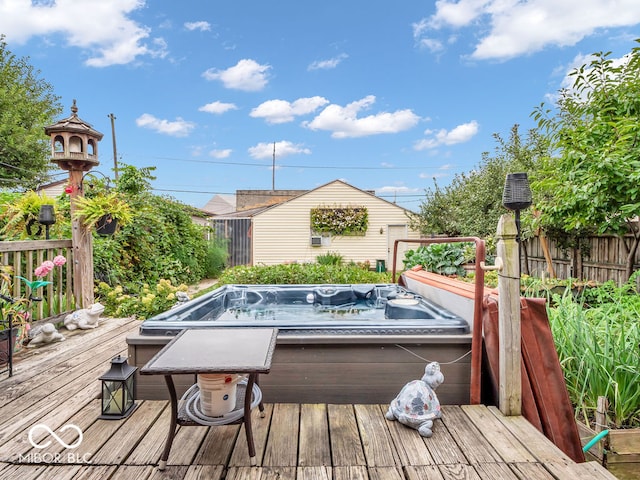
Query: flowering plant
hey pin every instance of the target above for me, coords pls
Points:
(42, 271)
(340, 220)
(19, 308)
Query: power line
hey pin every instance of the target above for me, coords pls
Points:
(211, 192)
(247, 164)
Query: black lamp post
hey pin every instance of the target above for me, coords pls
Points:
(46, 217)
(516, 196)
(118, 390)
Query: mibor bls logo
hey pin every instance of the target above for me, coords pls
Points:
(42, 426)
(40, 443)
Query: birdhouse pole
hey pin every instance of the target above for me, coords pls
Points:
(74, 147)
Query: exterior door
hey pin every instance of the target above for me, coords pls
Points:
(395, 232)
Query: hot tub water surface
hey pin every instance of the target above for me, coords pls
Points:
(361, 309)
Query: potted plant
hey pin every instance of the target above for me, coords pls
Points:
(104, 211)
(21, 215)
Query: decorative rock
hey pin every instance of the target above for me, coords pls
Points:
(417, 405)
(85, 318)
(47, 333)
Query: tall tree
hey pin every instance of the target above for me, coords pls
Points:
(472, 203)
(27, 104)
(593, 183)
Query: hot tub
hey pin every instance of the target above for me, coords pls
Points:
(336, 343)
(364, 309)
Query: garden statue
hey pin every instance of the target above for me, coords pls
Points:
(417, 405)
(85, 318)
(47, 333)
(181, 298)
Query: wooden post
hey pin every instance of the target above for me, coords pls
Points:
(602, 424)
(510, 392)
(82, 243)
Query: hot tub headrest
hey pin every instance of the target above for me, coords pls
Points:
(334, 295)
(365, 291)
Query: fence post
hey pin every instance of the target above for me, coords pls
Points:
(510, 391)
(82, 251)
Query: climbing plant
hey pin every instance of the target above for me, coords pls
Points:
(350, 220)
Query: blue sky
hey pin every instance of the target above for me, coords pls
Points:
(386, 95)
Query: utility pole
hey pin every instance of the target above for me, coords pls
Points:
(273, 169)
(113, 137)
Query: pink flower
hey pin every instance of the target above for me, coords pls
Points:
(41, 271)
(44, 269)
(59, 260)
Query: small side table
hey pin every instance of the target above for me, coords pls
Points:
(214, 350)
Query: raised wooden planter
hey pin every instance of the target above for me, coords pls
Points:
(619, 446)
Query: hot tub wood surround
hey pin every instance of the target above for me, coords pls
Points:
(337, 369)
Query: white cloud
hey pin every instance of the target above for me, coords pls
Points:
(522, 27)
(343, 122)
(201, 25)
(281, 111)
(103, 29)
(460, 134)
(247, 75)
(327, 64)
(220, 154)
(217, 107)
(177, 128)
(283, 148)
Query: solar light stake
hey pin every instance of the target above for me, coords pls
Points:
(516, 196)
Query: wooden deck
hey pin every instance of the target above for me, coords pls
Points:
(58, 386)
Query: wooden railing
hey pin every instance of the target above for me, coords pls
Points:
(25, 257)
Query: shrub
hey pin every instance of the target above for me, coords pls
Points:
(330, 258)
(311, 273)
(142, 302)
(216, 258)
(442, 258)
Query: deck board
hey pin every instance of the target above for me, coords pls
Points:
(346, 445)
(58, 386)
(376, 438)
(314, 436)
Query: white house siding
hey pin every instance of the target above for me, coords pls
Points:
(282, 233)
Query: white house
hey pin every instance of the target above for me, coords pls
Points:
(283, 232)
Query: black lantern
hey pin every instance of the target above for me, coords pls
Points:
(46, 217)
(517, 195)
(118, 390)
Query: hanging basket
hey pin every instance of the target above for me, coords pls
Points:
(106, 225)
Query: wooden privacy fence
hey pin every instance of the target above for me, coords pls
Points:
(25, 257)
(604, 258)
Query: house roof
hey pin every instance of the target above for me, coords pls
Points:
(366, 192)
(251, 212)
(220, 204)
(257, 211)
(73, 124)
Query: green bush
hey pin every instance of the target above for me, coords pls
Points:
(216, 258)
(442, 258)
(330, 258)
(295, 273)
(142, 302)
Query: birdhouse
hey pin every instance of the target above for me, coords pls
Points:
(74, 143)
